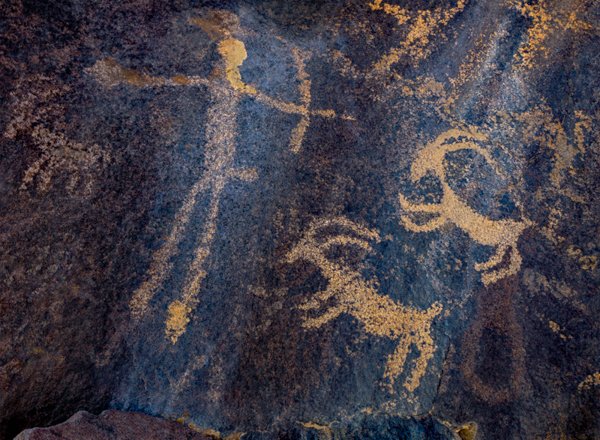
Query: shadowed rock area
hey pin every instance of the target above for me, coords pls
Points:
(337, 219)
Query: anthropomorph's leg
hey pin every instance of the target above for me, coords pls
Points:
(220, 151)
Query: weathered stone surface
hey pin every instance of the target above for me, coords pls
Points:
(295, 219)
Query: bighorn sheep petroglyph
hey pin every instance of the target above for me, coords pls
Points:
(358, 297)
(503, 234)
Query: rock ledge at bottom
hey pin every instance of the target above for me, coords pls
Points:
(113, 425)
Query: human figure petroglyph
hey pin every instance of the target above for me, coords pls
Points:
(226, 89)
(503, 234)
(359, 298)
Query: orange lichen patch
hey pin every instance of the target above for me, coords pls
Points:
(589, 262)
(425, 24)
(358, 297)
(503, 234)
(558, 330)
(548, 22)
(110, 74)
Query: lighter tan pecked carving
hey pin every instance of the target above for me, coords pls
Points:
(359, 298)
(503, 234)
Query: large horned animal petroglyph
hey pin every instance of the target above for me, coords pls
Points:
(358, 297)
(503, 234)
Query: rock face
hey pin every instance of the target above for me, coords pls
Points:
(280, 219)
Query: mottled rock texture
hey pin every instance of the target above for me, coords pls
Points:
(302, 219)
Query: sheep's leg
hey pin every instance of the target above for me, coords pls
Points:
(515, 260)
(425, 347)
(395, 363)
(513, 268)
(494, 259)
(329, 315)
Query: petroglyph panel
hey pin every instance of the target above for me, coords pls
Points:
(276, 219)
